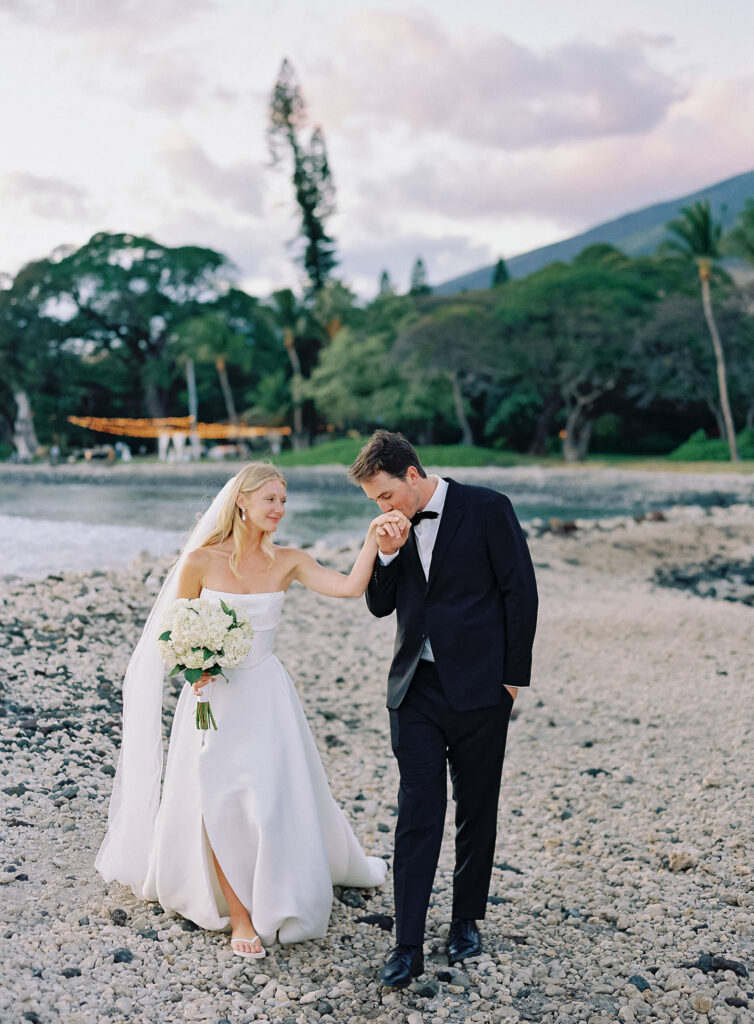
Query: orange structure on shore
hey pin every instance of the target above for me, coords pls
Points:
(125, 427)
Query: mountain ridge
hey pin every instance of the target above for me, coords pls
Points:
(637, 233)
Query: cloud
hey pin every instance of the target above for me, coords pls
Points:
(493, 91)
(363, 258)
(172, 85)
(239, 185)
(94, 16)
(131, 37)
(706, 136)
(48, 197)
(258, 253)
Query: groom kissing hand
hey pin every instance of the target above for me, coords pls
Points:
(461, 582)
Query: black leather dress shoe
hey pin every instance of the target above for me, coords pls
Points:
(401, 965)
(464, 940)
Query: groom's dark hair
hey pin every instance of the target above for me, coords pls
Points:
(385, 452)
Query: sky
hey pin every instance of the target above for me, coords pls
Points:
(458, 132)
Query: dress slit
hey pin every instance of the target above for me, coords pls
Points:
(255, 793)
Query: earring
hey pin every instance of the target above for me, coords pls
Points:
(243, 515)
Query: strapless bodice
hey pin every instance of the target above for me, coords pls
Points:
(263, 610)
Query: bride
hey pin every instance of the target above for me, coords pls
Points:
(247, 832)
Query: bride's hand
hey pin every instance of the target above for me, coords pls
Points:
(391, 530)
(390, 524)
(201, 681)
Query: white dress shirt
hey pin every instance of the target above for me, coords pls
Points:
(425, 533)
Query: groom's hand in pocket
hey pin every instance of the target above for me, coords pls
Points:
(392, 531)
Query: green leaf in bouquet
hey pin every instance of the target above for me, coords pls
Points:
(229, 611)
(192, 674)
(165, 635)
(208, 653)
(176, 670)
(215, 670)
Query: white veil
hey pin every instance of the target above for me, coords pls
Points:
(124, 854)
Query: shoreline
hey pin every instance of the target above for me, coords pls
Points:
(222, 471)
(624, 828)
(578, 529)
(67, 517)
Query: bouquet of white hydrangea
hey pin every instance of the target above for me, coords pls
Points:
(202, 636)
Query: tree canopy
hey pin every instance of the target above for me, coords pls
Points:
(605, 346)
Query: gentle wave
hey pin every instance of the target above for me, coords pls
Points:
(32, 548)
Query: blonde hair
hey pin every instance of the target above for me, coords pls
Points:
(253, 476)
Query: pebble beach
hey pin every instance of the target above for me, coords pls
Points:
(623, 887)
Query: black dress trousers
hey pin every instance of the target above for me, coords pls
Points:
(427, 735)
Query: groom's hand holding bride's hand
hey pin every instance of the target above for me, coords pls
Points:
(391, 529)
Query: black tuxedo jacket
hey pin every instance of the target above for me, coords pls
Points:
(478, 608)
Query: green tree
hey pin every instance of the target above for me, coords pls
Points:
(697, 240)
(289, 317)
(740, 240)
(311, 177)
(127, 295)
(386, 285)
(234, 333)
(566, 331)
(500, 274)
(360, 384)
(601, 254)
(47, 376)
(22, 341)
(419, 285)
(674, 362)
(452, 338)
(208, 339)
(333, 307)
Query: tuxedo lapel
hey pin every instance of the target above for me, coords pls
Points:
(412, 553)
(452, 514)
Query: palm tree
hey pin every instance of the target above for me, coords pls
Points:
(210, 339)
(289, 317)
(698, 239)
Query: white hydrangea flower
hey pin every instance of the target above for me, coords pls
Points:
(197, 625)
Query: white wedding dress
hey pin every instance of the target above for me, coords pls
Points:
(256, 792)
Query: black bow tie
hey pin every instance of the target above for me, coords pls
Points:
(415, 520)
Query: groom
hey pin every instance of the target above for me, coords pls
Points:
(461, 581)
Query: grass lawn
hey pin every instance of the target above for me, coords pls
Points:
(342, 451)
(658, 464)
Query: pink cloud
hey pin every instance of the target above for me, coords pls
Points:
(98, 15)
(48, 197)
(240, 184)
(494, 91)
(707, 136)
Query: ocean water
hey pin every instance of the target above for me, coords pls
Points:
(66, 522)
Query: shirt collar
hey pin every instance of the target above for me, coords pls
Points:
(437, 502)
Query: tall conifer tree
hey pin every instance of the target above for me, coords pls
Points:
(311, 178)
(419, 284)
